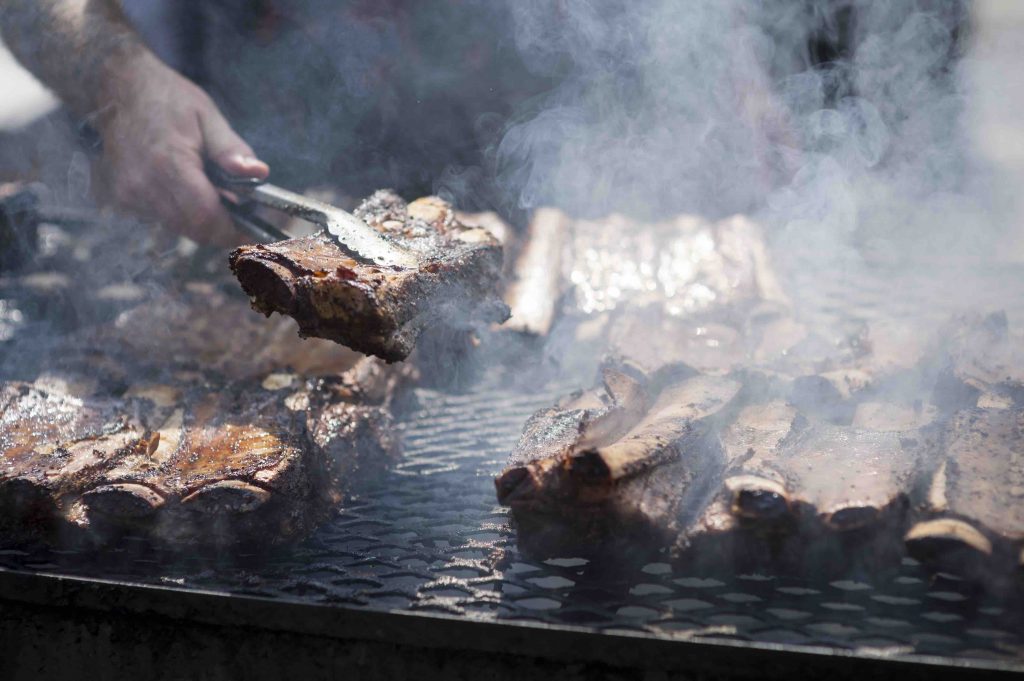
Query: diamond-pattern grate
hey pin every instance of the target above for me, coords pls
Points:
(430, 537)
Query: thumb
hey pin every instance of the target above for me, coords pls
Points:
(225, 148)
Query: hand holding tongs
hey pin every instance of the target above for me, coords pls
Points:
(351, 233)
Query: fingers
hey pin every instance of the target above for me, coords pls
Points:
(172, 188)
(227, 149)
(195, 209)
(154, 152)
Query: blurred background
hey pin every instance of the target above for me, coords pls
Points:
(38, 142)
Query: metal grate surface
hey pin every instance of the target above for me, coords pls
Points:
(430, 537)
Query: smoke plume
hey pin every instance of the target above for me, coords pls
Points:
(838, 122)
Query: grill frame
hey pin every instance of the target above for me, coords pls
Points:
(62, 593)
(490, 626)
(238, 615)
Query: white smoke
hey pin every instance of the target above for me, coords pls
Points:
(839, 123)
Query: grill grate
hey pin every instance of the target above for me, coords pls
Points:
(431, 538)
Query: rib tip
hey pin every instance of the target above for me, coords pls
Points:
(514, 484)
(932, 539)
(756, 498)
(852, 518)
(122, 500)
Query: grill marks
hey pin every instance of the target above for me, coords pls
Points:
(380, 311)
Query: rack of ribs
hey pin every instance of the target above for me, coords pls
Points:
(372, 309)
(754, 475)
(54, 446)
(616, 463)
(162, 424)
(188, 463)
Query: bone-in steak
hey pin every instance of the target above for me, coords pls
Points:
(372, 309)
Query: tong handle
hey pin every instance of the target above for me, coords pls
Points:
(225, 180)
(252, 224)
(242, 213)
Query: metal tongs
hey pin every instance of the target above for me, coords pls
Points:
(351, 233)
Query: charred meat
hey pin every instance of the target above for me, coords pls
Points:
(55, 445)
(188, 464)
(616, 463)
(975, 501)
(371, 309)
(749, 512)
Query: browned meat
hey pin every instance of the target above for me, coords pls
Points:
(204, 465)
(747, 519)
(754, 490)
(615, 464)
(974, 508)
(848, 478)
(805, 495)
(375, 310)
(177, 336)
(55, 446)
(186, 328)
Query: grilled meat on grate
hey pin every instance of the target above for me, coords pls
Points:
(615, 462)
(752, 501)
(372, 309)
(974, 507)
(188, 464)
(189, 421)
(801, 478)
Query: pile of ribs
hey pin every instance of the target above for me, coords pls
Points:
(374, 309)
(730, 433)
(179, 417)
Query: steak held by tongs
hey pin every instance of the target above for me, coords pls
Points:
(375, 279)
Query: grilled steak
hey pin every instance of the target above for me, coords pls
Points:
(376, 310)
(615, 464)
(974, 506)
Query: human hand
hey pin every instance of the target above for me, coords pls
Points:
(156, 131)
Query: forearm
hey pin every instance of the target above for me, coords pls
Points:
(75, 47)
